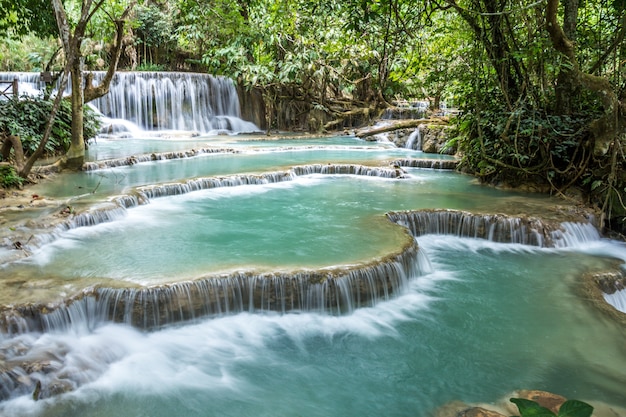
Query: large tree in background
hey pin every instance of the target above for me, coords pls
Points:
(608, 129)
(546, 104)
(72, 37)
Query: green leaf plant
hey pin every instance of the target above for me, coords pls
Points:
(570, 408)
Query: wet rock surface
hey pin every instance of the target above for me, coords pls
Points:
(504, 407)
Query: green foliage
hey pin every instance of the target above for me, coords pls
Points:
(525, 145)
(148, 67)
(26, 117)
(9, 178)
(29, 53)
(570, 408)
(155, 35)
(20, 17)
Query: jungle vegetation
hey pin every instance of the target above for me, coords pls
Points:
(541, 85)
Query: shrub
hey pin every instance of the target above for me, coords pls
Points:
(9, 178)
(27, 116)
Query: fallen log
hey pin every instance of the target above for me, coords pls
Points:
(396, 125)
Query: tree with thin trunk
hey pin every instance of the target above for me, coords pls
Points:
(72, 41)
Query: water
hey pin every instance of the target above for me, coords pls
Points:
(486, 322)
(482, 320)
(160, 101)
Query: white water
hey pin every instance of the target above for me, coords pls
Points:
(442, 340)
(491, 317)
(415, 140)
(161, 101)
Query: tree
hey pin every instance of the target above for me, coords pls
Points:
(543, 109)
(72, 40)
(22, 15)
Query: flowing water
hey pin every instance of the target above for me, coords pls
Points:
(476, 320)
(159, 101)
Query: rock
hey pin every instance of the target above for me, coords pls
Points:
(57, 387)
(479, 412)
(461, 409)
(545, 399)
(610, 281)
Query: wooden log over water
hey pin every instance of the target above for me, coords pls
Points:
(401, 124)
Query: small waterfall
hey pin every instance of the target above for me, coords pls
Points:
(494, 227)
(612, 286)
(329, 291)
(334, 291)
(348, 169)
(446, 164)
(415, 140)
(162, 156)
(162, 101)
(28, 82)
(117, 206)
(396, 113)
(617, 300)
(575, 234)
(174, 101)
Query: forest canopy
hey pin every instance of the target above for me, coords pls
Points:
(540, 84)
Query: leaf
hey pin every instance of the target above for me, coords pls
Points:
(596, 184)
(575, 408)
(528, 408)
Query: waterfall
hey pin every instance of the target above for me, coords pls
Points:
(117, 205)
(397, 113)
(574, 234)
(496, 227)
(334, 290)
(174, 101)
(162, 156)
(617, 300)
(445, 164)
(161, 101)
(415, 140)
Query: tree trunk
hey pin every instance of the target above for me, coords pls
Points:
(14, 142)
(75, 155)
(568, 87)
(403, 124)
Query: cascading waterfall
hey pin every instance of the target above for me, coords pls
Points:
(336, 291)
(118, 205)
(446, 164)
(617, 300)
(333, 291)
(162, 156)
(174, 101)
(415, 140)
(158, 101)
(396, 113)
(496, 227)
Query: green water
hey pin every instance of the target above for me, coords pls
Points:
(115, 180)
(489, 319)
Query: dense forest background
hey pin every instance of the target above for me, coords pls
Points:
(540, 84)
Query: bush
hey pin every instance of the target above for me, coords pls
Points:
(27, 116)
(9, 178)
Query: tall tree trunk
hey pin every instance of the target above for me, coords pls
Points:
(567, 87)
(75, 155)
